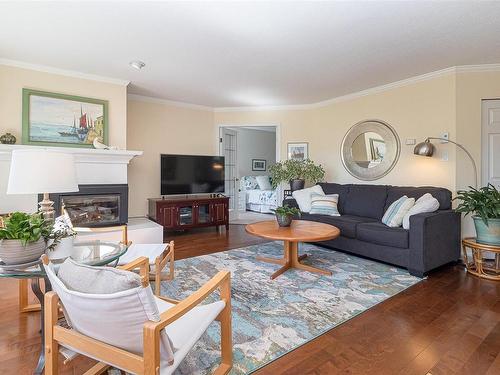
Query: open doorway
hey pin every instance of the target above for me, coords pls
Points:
(248, 152)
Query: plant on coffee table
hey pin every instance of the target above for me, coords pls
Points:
(285, 215)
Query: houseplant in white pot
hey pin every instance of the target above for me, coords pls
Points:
(23, 237)
(60, 244)
(484, 205)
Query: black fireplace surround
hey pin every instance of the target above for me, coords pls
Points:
(94, 205)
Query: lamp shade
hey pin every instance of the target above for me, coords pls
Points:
(41, 171)
(424, 148)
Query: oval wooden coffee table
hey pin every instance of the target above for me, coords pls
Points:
(299, 231)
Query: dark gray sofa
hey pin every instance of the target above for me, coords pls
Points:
(432, 240)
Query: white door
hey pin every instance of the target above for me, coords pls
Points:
(228, 146)
(491, 142)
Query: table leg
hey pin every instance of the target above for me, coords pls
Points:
(295, 261)
(35, 287)
(291, 259)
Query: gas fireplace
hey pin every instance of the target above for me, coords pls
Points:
(94, 205)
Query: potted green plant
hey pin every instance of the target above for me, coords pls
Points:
(285, 215)
(484, 205)
(22, 237)
(296, 172)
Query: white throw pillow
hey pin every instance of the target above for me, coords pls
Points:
(426, 203)
(264, 182)
(394, 215)
(303, 197)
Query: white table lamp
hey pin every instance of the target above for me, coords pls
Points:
(42, 171)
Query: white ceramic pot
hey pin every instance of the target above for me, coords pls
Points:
(13, 252)
(63, 249)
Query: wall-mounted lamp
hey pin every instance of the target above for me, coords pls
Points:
(426, 148)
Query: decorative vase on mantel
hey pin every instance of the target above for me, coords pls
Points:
(8, 139)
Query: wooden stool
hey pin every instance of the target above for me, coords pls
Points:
(478, 265)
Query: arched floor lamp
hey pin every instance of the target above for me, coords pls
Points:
(426, 148)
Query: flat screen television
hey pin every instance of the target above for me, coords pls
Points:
(191, 174)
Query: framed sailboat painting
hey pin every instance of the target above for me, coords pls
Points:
(51, 119)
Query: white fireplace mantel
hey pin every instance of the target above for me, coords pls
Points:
(93, 166)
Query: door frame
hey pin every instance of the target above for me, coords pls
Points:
(484, 140)
(276, 125)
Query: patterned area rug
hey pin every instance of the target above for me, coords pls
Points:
(273, 317)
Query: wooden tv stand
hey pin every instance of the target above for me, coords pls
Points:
(189, 211)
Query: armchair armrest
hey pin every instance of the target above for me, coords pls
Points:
(434, 240)
(152, 329)
(143, 264)
(222, 280)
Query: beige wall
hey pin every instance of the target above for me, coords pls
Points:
(161, 128)
(449, 103)
(13, 80)
(419, 110)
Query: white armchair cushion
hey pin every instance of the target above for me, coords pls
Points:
(150, 251)
(96, 280)
(116, 319)
(187, 330)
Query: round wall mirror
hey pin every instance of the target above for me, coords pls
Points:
(370, 149)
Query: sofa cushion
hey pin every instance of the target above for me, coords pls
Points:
(332, 188)
(366, 201)
(442, 195)
(346, 223)
(381, 234)
(303, 197)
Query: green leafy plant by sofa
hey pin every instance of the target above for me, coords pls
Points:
(286, 211)
(483, 202)
(27, 228)
(292, 169)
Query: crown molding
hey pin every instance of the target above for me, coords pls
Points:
(355, 95)
(150, 99)
(374, 90)
(477, 68)
(63, 72)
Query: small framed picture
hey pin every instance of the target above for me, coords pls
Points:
(258, 165)
(298, 151)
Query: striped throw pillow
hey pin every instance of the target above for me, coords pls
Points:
(324, 204)
(394, 215)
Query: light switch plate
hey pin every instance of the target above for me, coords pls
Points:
(410, 141)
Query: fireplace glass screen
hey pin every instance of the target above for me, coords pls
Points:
(93, 210)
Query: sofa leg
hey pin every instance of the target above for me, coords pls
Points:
(416, 273)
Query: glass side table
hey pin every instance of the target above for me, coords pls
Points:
(477, 264)
(93, 253)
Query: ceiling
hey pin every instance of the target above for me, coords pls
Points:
(251, 53)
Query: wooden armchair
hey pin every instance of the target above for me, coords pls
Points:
(183, 321)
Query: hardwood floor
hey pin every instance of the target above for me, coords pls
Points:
(447, 324)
